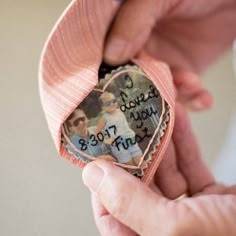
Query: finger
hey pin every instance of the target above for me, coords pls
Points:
(153, 186)
(131, 29)
(188, 154)
(168, 176)
(127, 198)
(191, 92)
(106, 223)
(231, 190)
(215, 188)
(202, 100)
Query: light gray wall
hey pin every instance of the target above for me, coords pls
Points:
(216, 129)
(40, 193)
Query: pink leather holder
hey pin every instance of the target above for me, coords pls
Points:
(69, 78)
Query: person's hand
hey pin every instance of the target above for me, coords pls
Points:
(123, 206)
(188, 35)
(129, 204)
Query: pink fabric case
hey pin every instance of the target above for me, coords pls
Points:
(69, 72)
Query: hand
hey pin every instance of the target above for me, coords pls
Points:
(131, 208)
(187, 35)
(125, 206)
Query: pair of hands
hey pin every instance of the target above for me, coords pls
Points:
(188, 35)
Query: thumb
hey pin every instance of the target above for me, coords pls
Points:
(131, 29)
(128, 199)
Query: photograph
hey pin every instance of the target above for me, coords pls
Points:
(118, 118)
(125, 121)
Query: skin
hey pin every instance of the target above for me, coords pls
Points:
(123, 205)
(188, 35)
(112, 109)
(82, 130)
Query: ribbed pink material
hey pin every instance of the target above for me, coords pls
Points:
(69, 69)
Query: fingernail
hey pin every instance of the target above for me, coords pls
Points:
(93, 176)
(116, 50)
(197, 105)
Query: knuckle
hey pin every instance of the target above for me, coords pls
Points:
(121, 206)
(116, 195)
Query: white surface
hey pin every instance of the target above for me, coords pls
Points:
(216, 129)
(42, 194)
(225, 163)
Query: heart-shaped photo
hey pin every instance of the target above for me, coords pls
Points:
(94, 111)
(121, 120)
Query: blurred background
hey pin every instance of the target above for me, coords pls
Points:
(40, 193)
